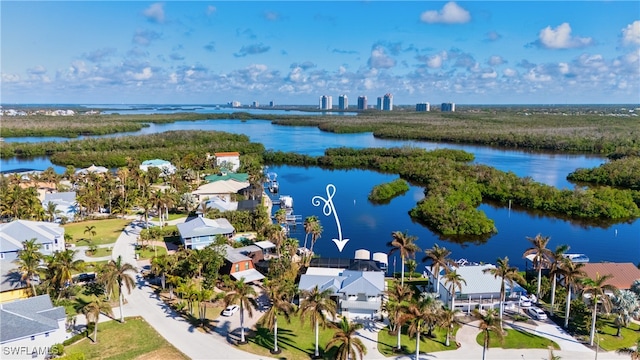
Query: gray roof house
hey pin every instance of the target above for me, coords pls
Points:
(357, 293)
(199, 232)
(13, 234)
(65, 203)
(240, 266)
(31, 326)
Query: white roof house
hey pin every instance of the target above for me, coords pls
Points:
(49, 235)
(166, 168)
(92, 170)
(221, 189)
(30, 326)
(230, 160)
(65, 203)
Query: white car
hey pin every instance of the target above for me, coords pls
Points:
(524, 302)
(536, 313)
(230, 310)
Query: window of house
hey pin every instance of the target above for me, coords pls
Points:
(33, 337)
(246, 265)
(56, 241)
(237, 266)
(46, 334)
(46, 246)
(1, 255)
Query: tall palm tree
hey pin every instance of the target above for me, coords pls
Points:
(91, 229)
(597, 288)
(420, 314)
(398, 294)
(160, 265)
(349, 345)
(92, 311)
(633, 353)
(243, 294)
(52, 210)
(489, 324)
(506, 273)
(314, 305)
(455, 281)
(555, 270)
(28, 261)
(316, 232)
(62, 266)
(405, 245)
(571, 273)
(541, 255)
(115, 275)
(279, 296)
(439, 259)
(308, 225)
(448, 320)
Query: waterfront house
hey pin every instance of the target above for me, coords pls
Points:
(358, 294)
(166, 168)
(222, 186)
(240, 266)
(29, 327)
(199, 232)
(228, 160)
(622, 274)
(92, 170)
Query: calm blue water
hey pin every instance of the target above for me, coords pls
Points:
(370, 226)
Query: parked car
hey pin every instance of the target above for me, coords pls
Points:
(524, 302)
(537, 313)
(230, 310)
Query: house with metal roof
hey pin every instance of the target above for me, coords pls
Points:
(358, 294)
(229, 160)
(166, 167)
(29, 327)
(199, 232)
(222, 186)
(240, 266)
(65, 203)
(49, 235)
(622, 274)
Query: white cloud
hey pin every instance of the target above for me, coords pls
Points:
(631, 34)
(435, 61)
(495, 60)
(451, 13)
(9, 78)
(509, 72)
(561, 38)
(173, 78)
(37, 70)
(380, 60)
(211, 10)
(564, 68)
(155, 13)
(146, 74)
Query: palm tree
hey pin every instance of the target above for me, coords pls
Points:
(405, 245)
(92, 311)
(316, 232)
(315, 304)
(91, 229)
(160, 265)
(626, 306)
(62, 266)
(116, 274)
(555, 270)
(541, 255)
(439, 259)
(448, 320)
(349, 346)
(506, 273)
(489, 324)
(243, 294)
(455, 281)
(397, 295)
(279, 297)
(308, 225)
(571, 274)
(597, 288)
(420, 314)
(633, 353)
(28, 261)
(52, 211)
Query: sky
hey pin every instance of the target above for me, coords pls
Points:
(293, 52)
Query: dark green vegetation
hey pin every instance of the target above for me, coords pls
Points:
(383, 193)
(454, 188)
(176, 146)
(624, 173)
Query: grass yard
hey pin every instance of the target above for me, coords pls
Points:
(387, 342)
(609, 341)
(149, 252)
(134, 339)
(515, 339)
(296, 340)
(100, 252)
(107, 231)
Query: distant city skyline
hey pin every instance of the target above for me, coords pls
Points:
(294, 52)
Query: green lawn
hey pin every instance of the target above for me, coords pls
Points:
(387, 342)
(107, 231)
(149, 252)
(100, 252)
(297, 341)
(609, 341)
(135, 339)
(515, 339)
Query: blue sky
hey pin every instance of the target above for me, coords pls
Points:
(292, 52)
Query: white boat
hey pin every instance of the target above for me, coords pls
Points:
(577, 258)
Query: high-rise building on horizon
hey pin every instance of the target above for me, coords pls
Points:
(387, 102)
(425, 106)
(379, 103)
(255, 104)
(343, 102)
(448, 107)
(362, 102)
(326, 102)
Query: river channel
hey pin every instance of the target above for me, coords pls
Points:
(369, 226)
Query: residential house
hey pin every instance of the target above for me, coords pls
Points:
(92, 170)
(222, 186)
(199, 232)
(482, 290)
(29, 327)
(622, 274)
(65, 202)
(166, 168)
(240, 266)
(228, 160)
(49, 235)
(357, 293)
